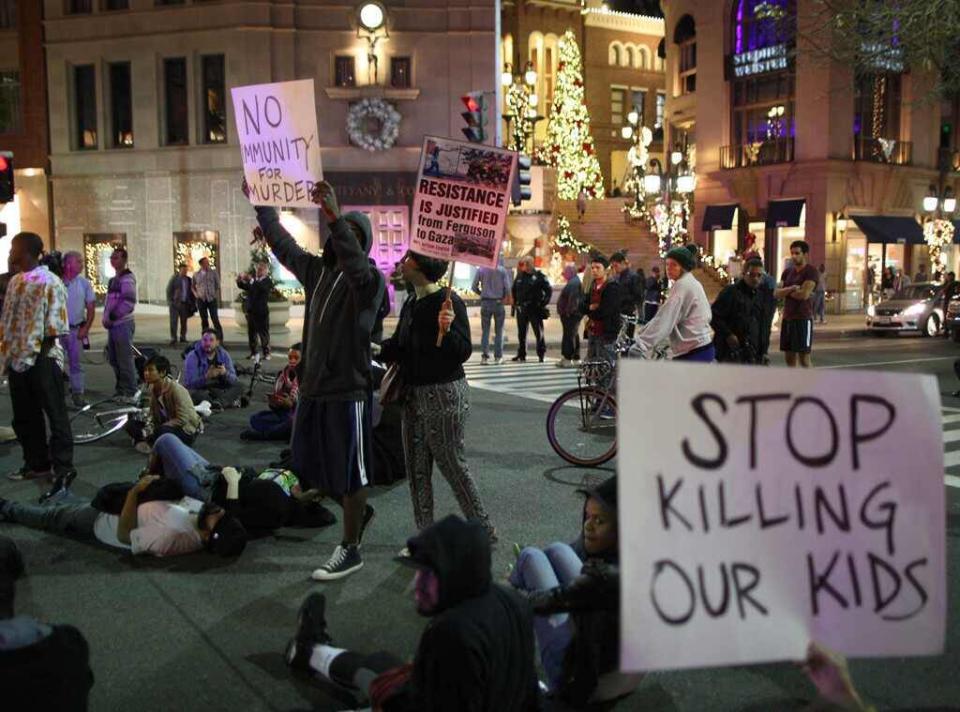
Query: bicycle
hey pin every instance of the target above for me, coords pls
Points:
(89, 425)
(582, 422)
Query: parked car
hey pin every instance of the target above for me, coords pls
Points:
(916, 307)
(953, 317)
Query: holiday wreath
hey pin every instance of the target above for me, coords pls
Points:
(359, 120)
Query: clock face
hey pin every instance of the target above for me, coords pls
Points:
(371, 16)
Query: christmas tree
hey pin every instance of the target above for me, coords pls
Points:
(569, 147)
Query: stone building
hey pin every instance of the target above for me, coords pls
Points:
(143, 141)
(23, 119)
(792, 146)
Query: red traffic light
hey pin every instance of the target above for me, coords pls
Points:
(3, 163)
(470, 101)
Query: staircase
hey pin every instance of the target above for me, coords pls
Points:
(607, 228)
(711, 283)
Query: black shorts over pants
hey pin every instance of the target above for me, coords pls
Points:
(332, 445)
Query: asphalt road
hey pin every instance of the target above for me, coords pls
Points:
(193, 633)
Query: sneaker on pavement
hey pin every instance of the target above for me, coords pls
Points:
(61, 484)
(25, 473)
(266, 356)
(404, 553)
(498, 361)
(311, 630)
(563, 363)
(344, 561)
(143, 447)
(484, 360)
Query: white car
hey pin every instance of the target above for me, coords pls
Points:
(917, 307)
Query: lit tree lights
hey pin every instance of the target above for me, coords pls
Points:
(938, 234)
(569, 145)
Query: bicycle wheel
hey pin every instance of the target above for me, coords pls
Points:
(90, 425)
(582, 426)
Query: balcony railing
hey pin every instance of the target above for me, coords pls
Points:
(759, 153)
(949, 160)
(882, 150)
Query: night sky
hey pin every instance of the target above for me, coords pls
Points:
(644, 7)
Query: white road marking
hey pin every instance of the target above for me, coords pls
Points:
(887, 363)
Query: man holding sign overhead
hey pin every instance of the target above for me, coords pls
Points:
(332, 432)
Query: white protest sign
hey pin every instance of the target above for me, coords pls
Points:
(463, 194)
(277, 126)
(763, 508)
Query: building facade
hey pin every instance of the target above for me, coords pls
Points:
(23, 119)
(790, 145)
(144, 149)
(622, 69)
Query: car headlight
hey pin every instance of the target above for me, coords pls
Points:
(914, 310)
(871, 310)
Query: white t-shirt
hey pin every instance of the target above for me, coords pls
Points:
(163, 528)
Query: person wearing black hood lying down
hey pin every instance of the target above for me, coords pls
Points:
(331, 442)
(575, 594)
(475, 655)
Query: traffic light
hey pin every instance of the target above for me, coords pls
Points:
(6, 177)
(521, 181)
(474, 116)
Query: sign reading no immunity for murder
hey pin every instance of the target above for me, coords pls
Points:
(761, 509)
(463, 194)
(277, 126)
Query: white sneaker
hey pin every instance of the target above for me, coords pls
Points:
(404, 553)
(562, 363)
(484, 360)
(343, 562)
(498, 361)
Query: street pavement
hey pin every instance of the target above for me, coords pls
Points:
(195, 633)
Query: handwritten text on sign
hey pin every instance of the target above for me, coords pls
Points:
(761, 509)
(277, 126)
(460, 207)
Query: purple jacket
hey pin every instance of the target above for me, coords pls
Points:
(121, 299)
(196, 364)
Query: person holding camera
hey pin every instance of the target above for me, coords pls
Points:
(742, 317)
(81, 311)
(531, 295)
(34, 315)
(277, 423)
(256, 307)
(209, 374)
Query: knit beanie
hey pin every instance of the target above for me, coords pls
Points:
(683, 257)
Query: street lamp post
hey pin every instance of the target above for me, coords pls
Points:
(520, 100)
(939, 204)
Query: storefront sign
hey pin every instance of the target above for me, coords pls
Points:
(768, 512)
(277, 126)
(463, 194)
(760, 61)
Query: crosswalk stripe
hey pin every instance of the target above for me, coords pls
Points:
(952, 480)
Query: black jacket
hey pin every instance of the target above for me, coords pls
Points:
(531, 292)
(258, 295)
(476, 654)
(747, 314)
(52, 674)
(414, 343)
(343, 293)
(609, 310)
(631, 290)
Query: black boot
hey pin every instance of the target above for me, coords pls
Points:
(311, 630)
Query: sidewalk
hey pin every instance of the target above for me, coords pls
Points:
(153, 328)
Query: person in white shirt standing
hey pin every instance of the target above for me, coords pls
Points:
(684, 318)
(81, 311)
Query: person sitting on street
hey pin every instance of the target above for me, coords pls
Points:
(171, 409)
(209, 374)
(261, 501)
(159, 527)
(742, 317)
(684, 318)
(476, 652)
(575, 594)
(277, 422)
(42, 667)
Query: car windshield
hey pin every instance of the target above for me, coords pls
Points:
(916, 293)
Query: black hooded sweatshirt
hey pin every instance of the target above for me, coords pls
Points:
(343, 292)
(477, 652)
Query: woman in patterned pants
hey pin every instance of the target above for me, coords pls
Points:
(435, 389)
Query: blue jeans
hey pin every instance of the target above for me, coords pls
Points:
(73, 348)
(492, 308)
(272, 424)
(539, 570)
(701, 355)
(183, 464)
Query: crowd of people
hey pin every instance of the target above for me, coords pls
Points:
(350, 426)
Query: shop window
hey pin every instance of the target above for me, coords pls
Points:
(214, 99)
(638, 99)
(97, 248)
(876, 119)
(121, 105)
(400, 72)
(85, 106)
(79, 7)
(175, 96)
(9, 101)
(661, 109)
(618, 101)
(344, 71)
(685, 36)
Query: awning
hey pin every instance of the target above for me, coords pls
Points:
(719, 217)
(890, 229)
(785, 213)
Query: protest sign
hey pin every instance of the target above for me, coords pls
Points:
(460, 207)
(761, 509)
(277, 126)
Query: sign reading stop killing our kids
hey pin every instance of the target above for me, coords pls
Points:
(277, 126)
(460, 207)
(762, 509)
